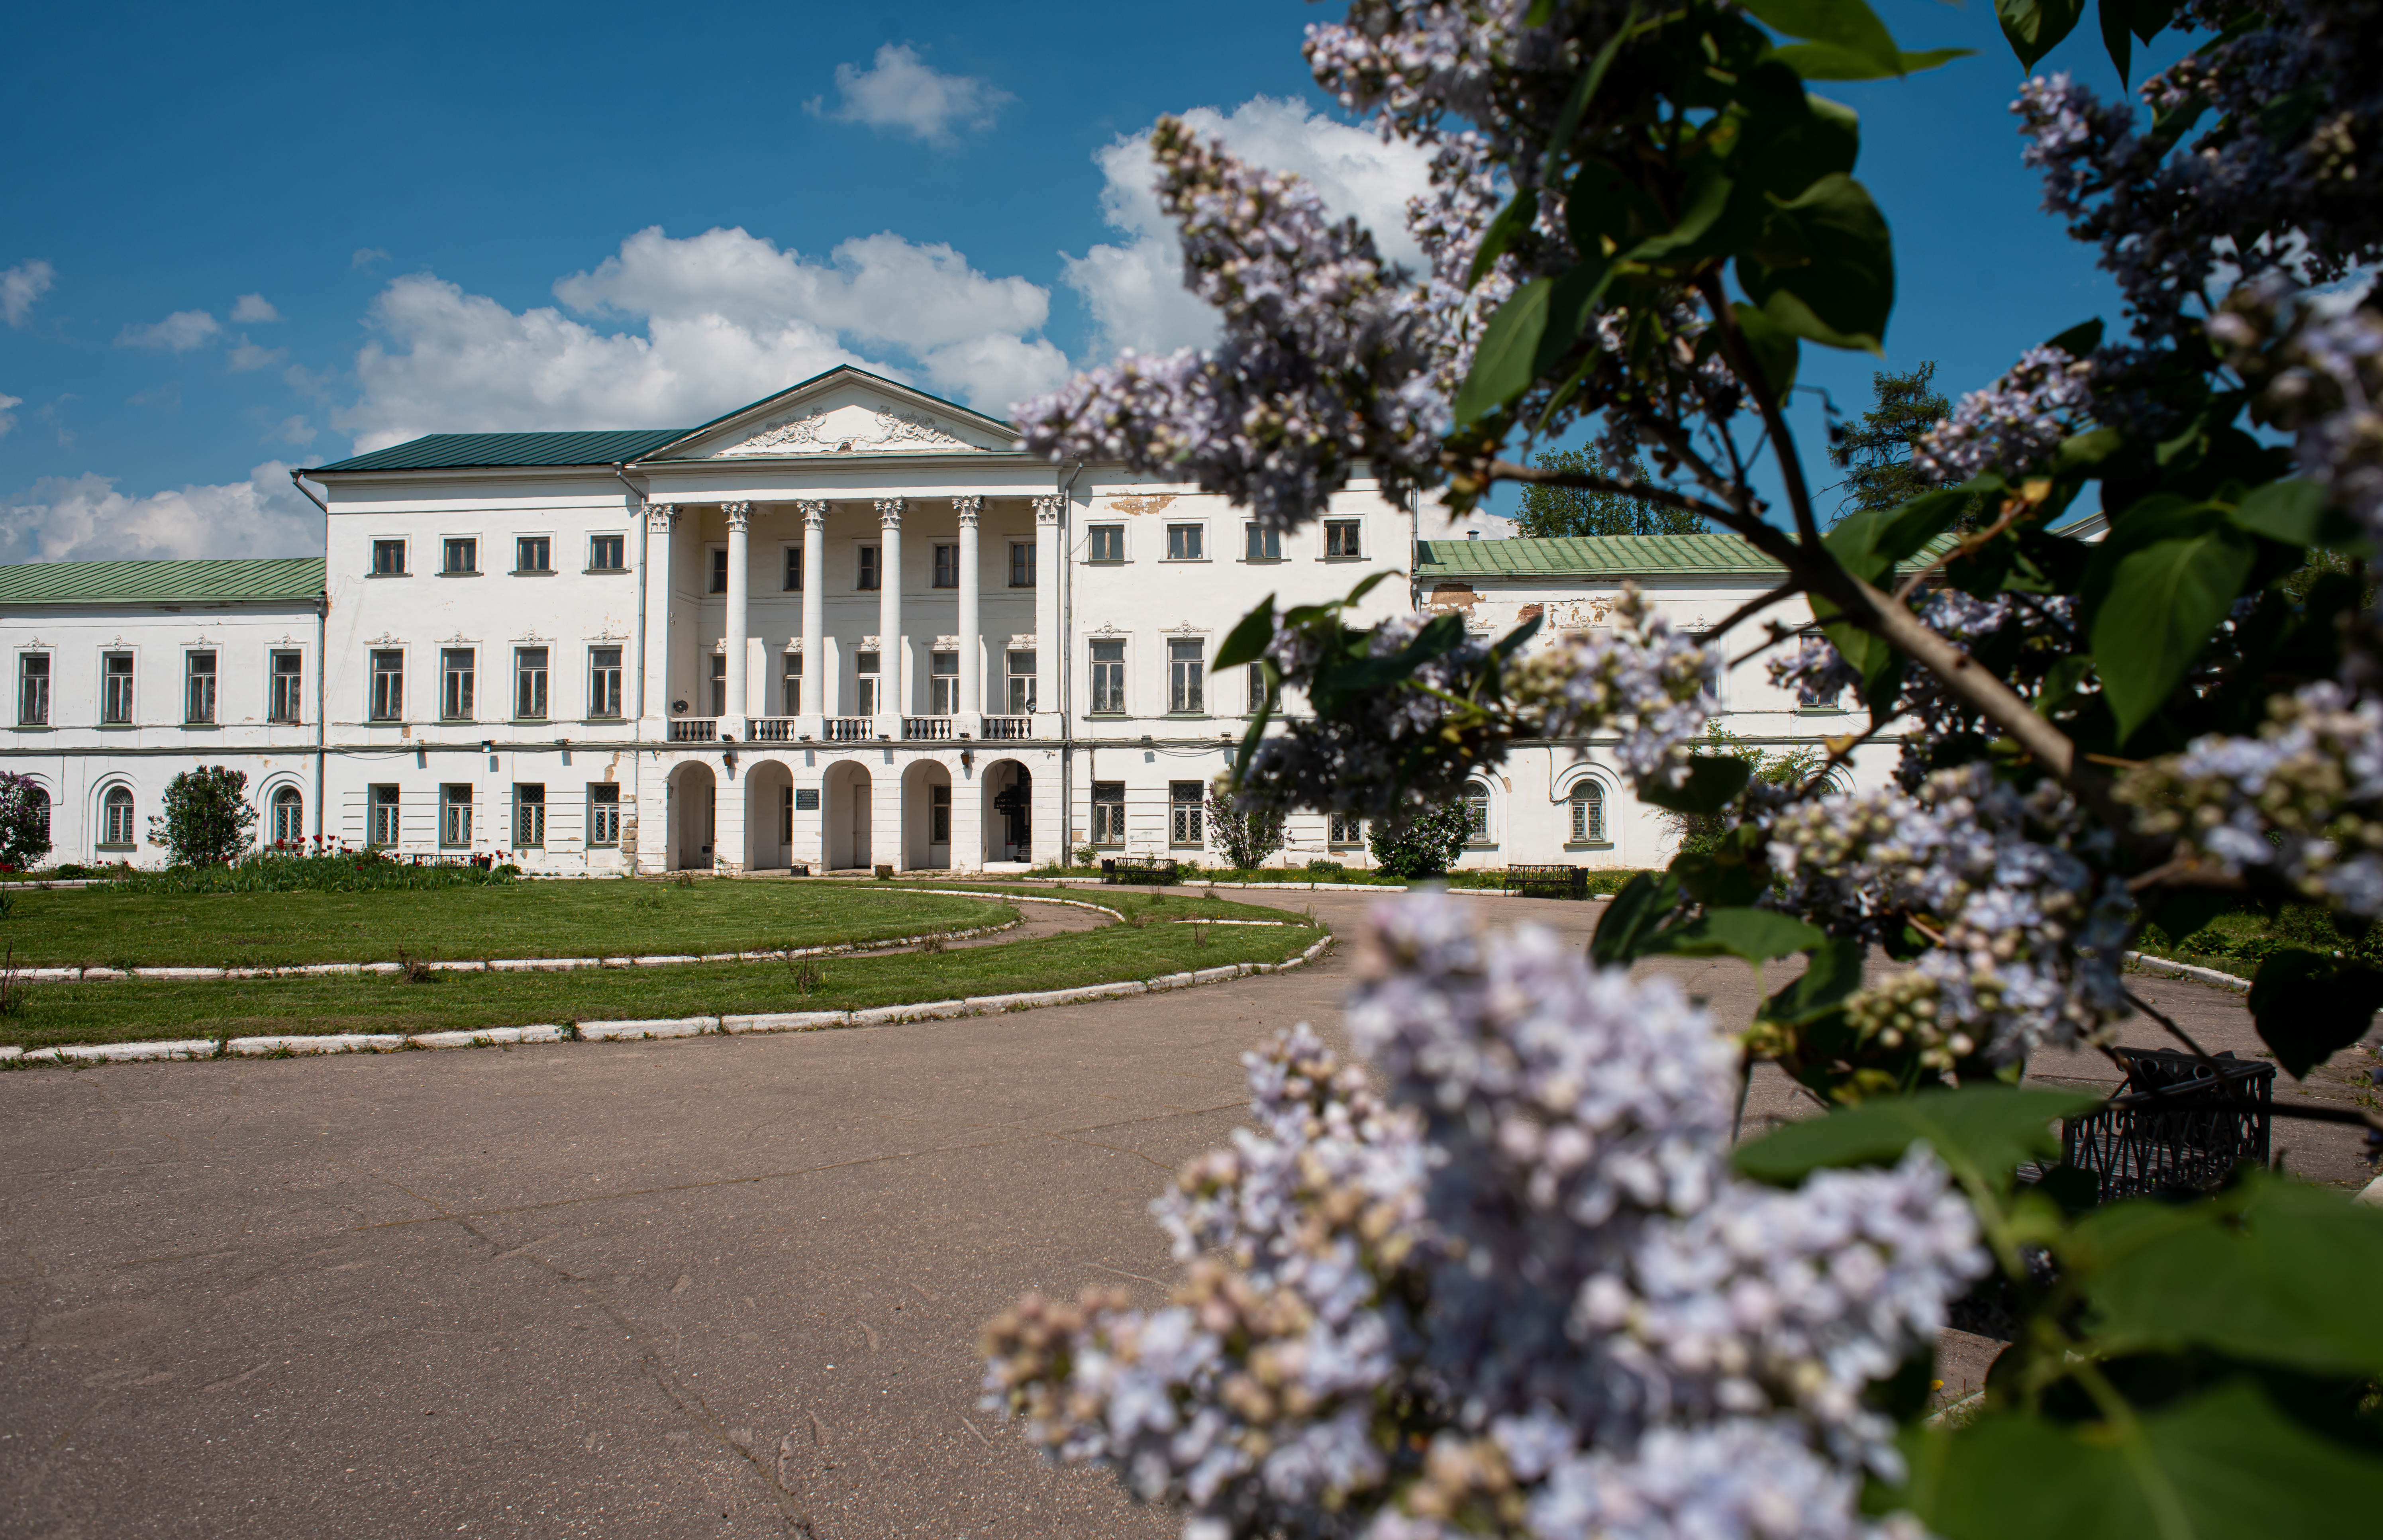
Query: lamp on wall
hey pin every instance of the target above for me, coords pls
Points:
(968, 759)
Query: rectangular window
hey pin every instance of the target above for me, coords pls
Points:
(388, 702)
(608, 553)
(1184, 674)
(939, 814)
(461, 556)
(790, 683)
(719, 571)
(1108, 542)
(1183, 804)
(719, 684)
(1108, 678)
(1588, 814)
(1183, 542)
(116, 688)
(1109, 812)
(865, 683)
(529, 683)
(794, 570)
(1257, 688)
(1340, 537)
(198, 695)
(604, 682)
(871, 574)
(1266, 545)
(33, 689)
(947, 566)
(455, 817)
(1344, 829)
(1021, 684)
(380, 815)
(530, 817)
(1021, 563)
(533, 553)
(287, 687)
(1476, 813)
(942, 683)
(1811, 650)
(603, 815)
(457, 676)
(389, 559)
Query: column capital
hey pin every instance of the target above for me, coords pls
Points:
(661, 516)
(814, 513)
(1046, 511)
(740, 514)
(969, 508)
(889, 513)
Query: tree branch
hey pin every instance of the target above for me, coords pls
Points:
(1791, 465)
(1506, 470)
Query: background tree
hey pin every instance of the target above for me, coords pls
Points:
(24, 821)
(207, 817)
(1424, 842)
(1875, 451)
(1550, 510)
(1246, 835)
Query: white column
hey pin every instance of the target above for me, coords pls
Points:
(1048, 553)
(654, 710)
(972, 706)
(735, 638)
(810, 724)
(893, 700)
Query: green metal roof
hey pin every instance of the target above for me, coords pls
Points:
(286, 577)
(1592, 556)
(455, 451)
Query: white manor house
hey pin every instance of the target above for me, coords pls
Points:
(845, 626)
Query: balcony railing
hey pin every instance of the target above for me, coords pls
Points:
(926, 727)
(770, 730)
(694, 730)
(850, 730)
(1009, 727)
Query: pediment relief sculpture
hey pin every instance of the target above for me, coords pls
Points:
(852, 429)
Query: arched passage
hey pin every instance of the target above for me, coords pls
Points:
(845, 808)
(927, 816)
(1009, 811)
(694, 794)
(769, 817)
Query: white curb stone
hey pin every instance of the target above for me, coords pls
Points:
(2191, 970)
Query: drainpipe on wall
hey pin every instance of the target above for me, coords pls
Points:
(1065, 677)
(637, 645)
(322, 659)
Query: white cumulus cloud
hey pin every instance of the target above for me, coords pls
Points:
(8, 420)
(179, 332)
(21, 286)
(248, 355)
(900, 92)
(1134, 289)
(255, 309)
(84, 518)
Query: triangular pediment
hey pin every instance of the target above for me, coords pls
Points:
(844, 411)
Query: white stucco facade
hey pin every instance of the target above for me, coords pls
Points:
(846, 626)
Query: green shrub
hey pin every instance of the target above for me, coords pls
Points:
(337, 871)
(24, 821)
(207, 817)
(1423, 843)
(1326, 868)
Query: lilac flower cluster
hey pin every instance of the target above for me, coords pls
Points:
(1641, 677)
(2303, 799)
(1320, 367)
(2013, 425)
(1524, 1284)
(2319, 369)
(2029, 933)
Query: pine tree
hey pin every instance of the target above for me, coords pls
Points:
(1548, 510)
(1875, 451)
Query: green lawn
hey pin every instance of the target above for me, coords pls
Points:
(134, 1010)
(1129, 902)
(96, 927)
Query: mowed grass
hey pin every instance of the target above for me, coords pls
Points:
(96, 928)
(134, 1010)
(1132, 903)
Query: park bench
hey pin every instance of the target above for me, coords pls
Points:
(1554, 881)
(2173, 1126)
(1157, 871)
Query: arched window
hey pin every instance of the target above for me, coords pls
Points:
(1476, 813)
(41, 804)
(116, 819)
(1588, 813)
(289, 817)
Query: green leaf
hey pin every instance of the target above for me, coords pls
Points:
(2163, 602)
(2294, 512)
(1502, 365)
(2083, 452)
(2079, 339)
(1843, 290)
(1512, 220)
(2271, 1271)
(1827, 61)
(1247, 641)
(2113, 36)
(1980, 1132)
(1644, 903)
(1568, 121)
(1604, 206)
(1702, 201)
(1834, 972)
(2224, 1465)
(2183, 911)
(1757, 935)
(2310, 1006)
(1774, 350)
(2033, 27)
(1713, 783)
(1849, 24)
(1572, 306)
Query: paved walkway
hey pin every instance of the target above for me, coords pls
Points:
(720, 1287)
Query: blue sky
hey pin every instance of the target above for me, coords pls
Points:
(237, 243)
